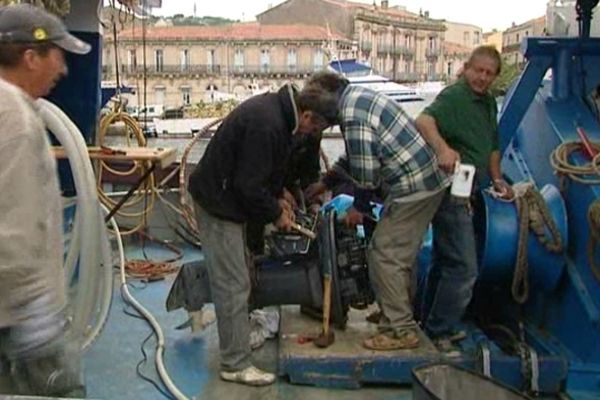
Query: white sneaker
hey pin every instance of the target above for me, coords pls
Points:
(249, 376)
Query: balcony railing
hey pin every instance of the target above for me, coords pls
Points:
(274, 69)
(407, 76)
(432, 53)
(208, 69)
(384, 48)
(203, 69)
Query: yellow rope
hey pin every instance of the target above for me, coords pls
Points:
(146, 193)
(559, 159)
(587, 174)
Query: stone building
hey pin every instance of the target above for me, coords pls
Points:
(186, 64)
(398, 44)
(493, 38)
(465, 35)
(455, 56)
(459, 40)
(513, 37)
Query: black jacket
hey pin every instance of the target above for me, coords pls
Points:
(241, 173)
(304, 165)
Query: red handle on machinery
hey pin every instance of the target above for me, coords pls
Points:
(588, 149)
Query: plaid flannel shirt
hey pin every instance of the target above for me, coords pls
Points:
(384, 147)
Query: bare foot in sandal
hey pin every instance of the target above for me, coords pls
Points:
(383, 342)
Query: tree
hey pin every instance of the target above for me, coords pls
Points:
(508, 75)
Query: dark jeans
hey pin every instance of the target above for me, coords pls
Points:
(454, 266)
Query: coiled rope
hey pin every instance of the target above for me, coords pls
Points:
(146, 194)
(186, 209)
(587, 174)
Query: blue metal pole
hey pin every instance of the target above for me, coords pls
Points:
(561, 74)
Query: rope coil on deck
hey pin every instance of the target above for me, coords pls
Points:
(559, 159)
(154, 270)
(147, 191)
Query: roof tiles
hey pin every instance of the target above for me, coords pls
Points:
(238, 31)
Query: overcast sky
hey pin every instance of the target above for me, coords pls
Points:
(487, 14)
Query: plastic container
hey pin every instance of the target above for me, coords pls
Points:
(462, 183)
(449, 382)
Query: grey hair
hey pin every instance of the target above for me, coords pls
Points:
(320, 101)
(486, 51)
(331, 81)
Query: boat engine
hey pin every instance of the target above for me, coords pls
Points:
(291, 271)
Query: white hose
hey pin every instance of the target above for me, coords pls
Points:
(90, 245)
(160, 339)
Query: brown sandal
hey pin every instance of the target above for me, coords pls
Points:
(383, 342)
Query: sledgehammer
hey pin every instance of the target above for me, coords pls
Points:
(326, 338)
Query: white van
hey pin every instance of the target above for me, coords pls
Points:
(147, 113)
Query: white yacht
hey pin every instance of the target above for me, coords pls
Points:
(362, 75)
(400, 93)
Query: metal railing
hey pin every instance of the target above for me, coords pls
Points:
(366, 46)
(216, 69)
(151, 69)
(407, 76)
(432, 53)
(275, 69)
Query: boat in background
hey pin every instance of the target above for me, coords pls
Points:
(396, 91)
(361, 74)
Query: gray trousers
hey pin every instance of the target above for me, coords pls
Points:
(392, 253)
(224, 248)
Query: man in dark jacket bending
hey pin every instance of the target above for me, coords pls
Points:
(240, 179)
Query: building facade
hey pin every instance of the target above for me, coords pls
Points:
(513, 37)
(401, 45)
(493, 38)
(180, 65)
(459, 41)
(465, 35)
(455, 56)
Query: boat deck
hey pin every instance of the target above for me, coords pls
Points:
(192, 359)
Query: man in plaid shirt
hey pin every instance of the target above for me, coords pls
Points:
(384, 150)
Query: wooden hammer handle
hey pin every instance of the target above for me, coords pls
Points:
(326, 303)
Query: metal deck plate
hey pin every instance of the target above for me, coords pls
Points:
(346, 363)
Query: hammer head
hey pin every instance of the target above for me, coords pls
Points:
(325, 339)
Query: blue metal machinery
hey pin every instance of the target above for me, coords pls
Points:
(562, 316)
(549, 343)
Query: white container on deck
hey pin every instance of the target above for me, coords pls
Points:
(462, 183)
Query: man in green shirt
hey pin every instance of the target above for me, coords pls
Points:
(461, 126)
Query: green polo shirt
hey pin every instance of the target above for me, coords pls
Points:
(467, 122)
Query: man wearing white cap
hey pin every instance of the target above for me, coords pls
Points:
(35, 357)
